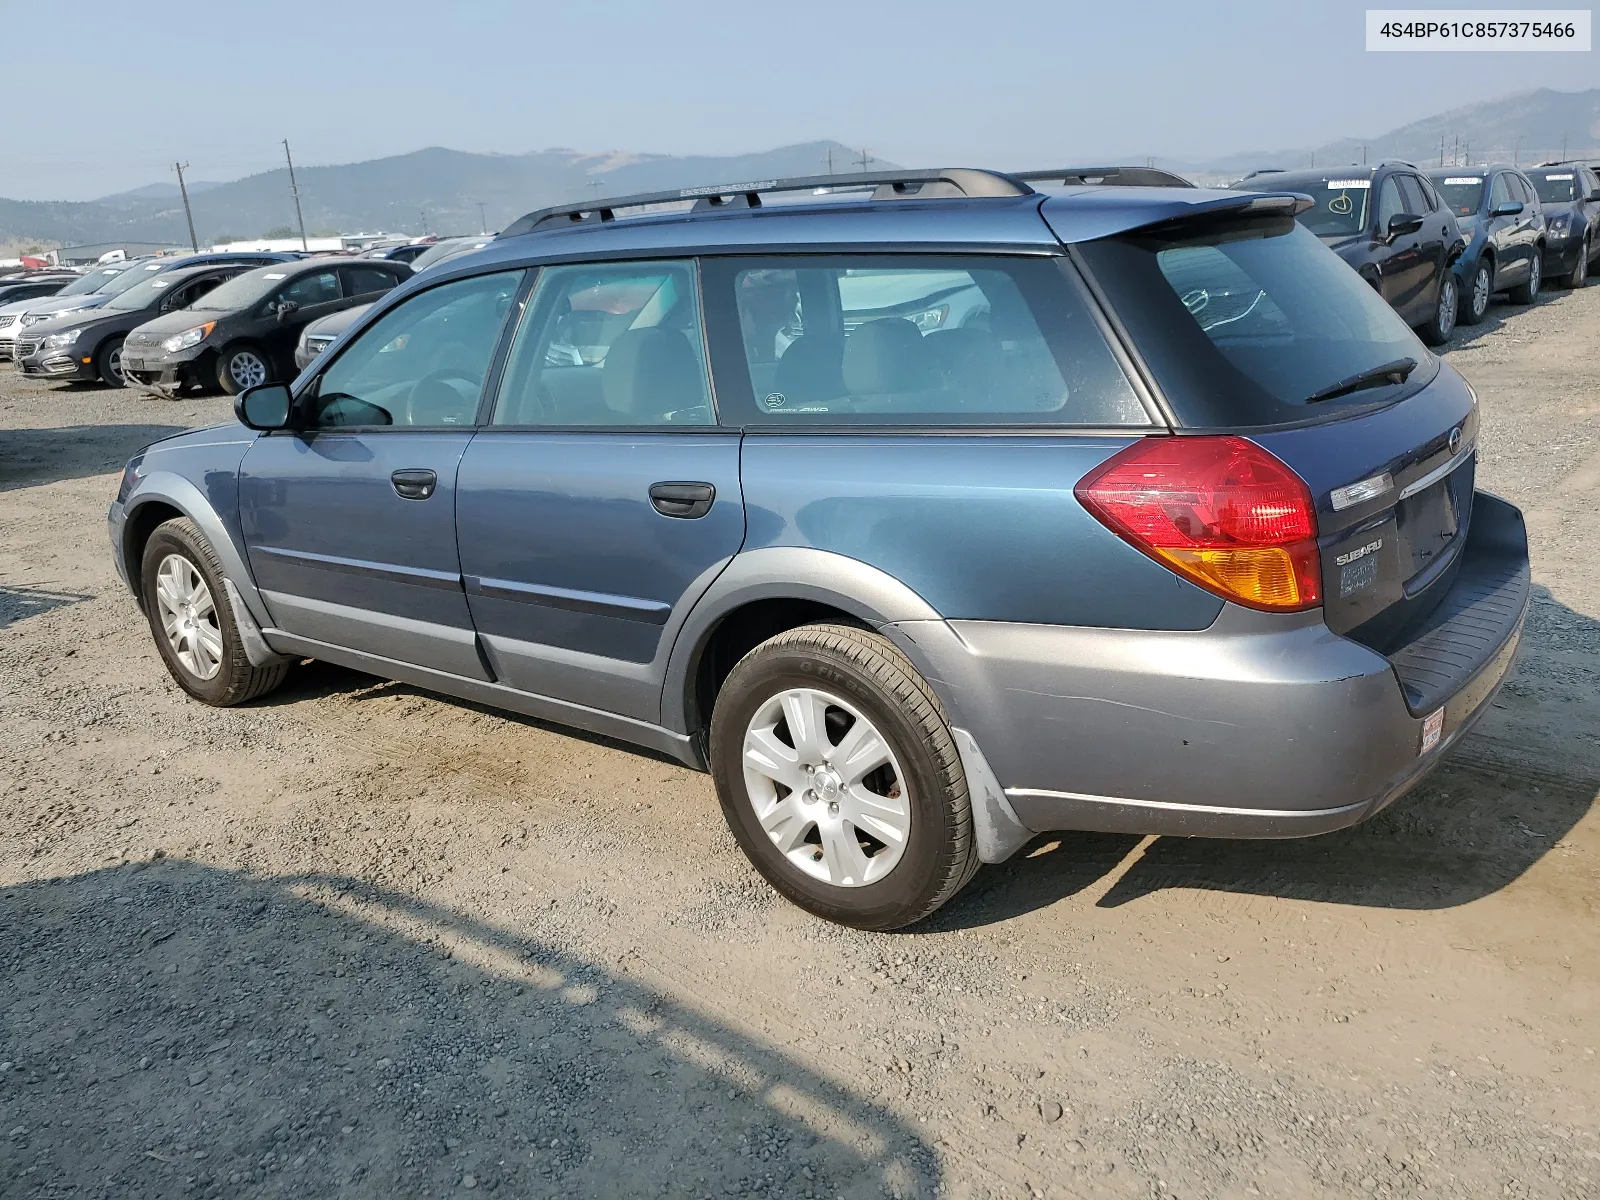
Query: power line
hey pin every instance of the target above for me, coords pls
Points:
(188, 216)
(295, 190)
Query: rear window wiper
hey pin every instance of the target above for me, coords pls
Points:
(1389, 372)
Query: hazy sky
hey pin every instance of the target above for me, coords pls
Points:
(103, 95)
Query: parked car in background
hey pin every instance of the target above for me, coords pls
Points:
(408, 253)
(320, 334)
(1498, 211)
(449, 248)
(1386, 221)
(902, 645)
(33, 286)
(243, 333)
(88, 345)
(1569, 193)
(90, 283)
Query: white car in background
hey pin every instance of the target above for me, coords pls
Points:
(83, 292)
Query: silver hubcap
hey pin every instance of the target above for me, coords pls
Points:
(189, 616)
(1535, 277)
(1480, 292)
(247, 369)
(826, 787)
(1447, 306)
(114, 361)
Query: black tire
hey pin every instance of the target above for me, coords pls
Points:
(234, 367)
(1579, 275)
(1475, 300)
(865, 669)
(108, 363)
(235, 681)
(1437, 329)
(1527, 293)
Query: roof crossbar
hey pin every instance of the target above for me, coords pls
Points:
(1109, 176)
(887, 185)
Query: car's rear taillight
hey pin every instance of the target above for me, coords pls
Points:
(1220, 511)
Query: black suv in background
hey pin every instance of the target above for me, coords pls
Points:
(1499, 212)
(243, 334)
(1569, 193)
(1387, 222)
(87, 345)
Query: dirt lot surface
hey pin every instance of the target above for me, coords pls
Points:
(358, 940)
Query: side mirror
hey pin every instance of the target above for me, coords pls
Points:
(287, 309)
(264, 407)
(1402, 224)
(1509, 209)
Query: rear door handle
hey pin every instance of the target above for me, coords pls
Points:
(687, 500)
(414, 483)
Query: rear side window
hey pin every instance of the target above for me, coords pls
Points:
(920, 340)
(1243, 320)
(312, 289)
(363, 281)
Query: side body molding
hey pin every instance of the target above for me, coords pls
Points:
(167, 487)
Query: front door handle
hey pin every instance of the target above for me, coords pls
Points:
(687, 500)
(414, 483)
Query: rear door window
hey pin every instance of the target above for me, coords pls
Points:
(1243, 320)
(366, 281)
(312, 289)
(889, 340)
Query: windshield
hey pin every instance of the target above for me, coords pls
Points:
(1462, 194)
(135, 274)
(242, 290)
(1340, 204)
(1241, 320)
(143, 294)
(1558, 188)
(91, 282)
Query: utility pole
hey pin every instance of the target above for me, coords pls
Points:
(483, 221)
(424, 213)
(595, 184)
(1363, 154)
(188, 216)
(865, 158)
(830, 160)
(295, 191)
(1441, 149)
(1516, 152)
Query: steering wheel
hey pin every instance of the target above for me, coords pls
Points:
(434, 379)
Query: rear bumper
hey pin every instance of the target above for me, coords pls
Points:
(1263, 726)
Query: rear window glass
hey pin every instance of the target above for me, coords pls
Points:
(885, 340)
(1339, 206)
(1242, 321)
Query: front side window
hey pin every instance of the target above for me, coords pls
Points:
(885, 340)
(1390, 205)
(422, 363)
(1499, 193)
(1411, 195)
(1243, 321)
(311, 289)
(609, 344)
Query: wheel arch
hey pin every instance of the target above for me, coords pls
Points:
(162, 496)
(765, 592)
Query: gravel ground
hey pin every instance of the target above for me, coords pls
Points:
(359, 940)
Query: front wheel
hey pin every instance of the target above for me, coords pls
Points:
(242, 367)
(108, 364)
(1475, 304)
(839, 777)
(1439, 327)
(1579, 275)
(192, 622)
(1527, 293)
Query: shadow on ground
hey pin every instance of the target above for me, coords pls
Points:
(19, 603)
(29, 457)
(175, 1029)
(1493, 809)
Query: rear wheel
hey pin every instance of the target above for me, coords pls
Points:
(1475, 303)
(192, 622)
(839, 777)
(241, 367)
(1528, 292)
(1442, 324)
(108, 364)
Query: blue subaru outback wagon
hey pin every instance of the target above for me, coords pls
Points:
(927, 511)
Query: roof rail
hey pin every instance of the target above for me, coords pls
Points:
(1109, 176)
(886, 185)
(1263, 171)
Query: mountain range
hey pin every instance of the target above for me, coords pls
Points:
(440, 191)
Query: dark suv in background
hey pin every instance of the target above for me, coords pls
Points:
(1388, 223)
(1569, 193)
(244, 333)
(1499, 212)
(726, 482)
